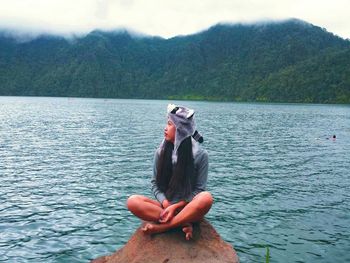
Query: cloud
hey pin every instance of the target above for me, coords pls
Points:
(165, 18)
(102, 9)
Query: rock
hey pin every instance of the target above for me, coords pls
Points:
(172, 247)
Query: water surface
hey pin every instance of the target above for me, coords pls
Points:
(67, 166)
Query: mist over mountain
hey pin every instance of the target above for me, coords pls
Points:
(289, 61)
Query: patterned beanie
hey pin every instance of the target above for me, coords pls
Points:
(183, 119)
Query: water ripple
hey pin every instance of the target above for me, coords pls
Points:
(68, 165)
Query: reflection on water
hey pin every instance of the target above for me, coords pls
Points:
(68, 165)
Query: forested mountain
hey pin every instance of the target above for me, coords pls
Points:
(290, 61)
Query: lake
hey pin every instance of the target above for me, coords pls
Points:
(67, 166)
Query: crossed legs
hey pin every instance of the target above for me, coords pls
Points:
(150, 210)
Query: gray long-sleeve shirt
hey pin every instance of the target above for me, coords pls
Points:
(201, 174)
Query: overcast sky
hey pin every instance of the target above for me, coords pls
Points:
(166, 18)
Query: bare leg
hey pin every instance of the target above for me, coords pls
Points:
(192, 212)
(144, 208)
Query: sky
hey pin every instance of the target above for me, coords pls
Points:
(165, 18)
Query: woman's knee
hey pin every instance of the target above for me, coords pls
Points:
(133, 202)
(205, 200)
(208, 198)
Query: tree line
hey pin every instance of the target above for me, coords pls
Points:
(290, 61)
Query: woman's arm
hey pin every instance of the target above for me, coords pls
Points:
(202, 176)
(159, 195)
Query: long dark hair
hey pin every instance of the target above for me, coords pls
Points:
(178, 179)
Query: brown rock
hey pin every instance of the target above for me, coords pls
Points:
(171, 247)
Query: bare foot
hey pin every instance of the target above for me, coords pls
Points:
(188, 230)
(150, 228)
(147, 228)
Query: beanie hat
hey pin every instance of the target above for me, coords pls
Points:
(183, 119)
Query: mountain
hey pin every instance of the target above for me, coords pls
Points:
(288, 61)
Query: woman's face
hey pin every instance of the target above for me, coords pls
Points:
(169, 131)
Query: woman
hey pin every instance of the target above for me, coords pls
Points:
(179, 178)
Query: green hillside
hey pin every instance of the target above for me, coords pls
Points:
(290, 61)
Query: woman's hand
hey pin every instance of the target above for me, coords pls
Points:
(166, 203)
(170, 210)
(167, 214)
